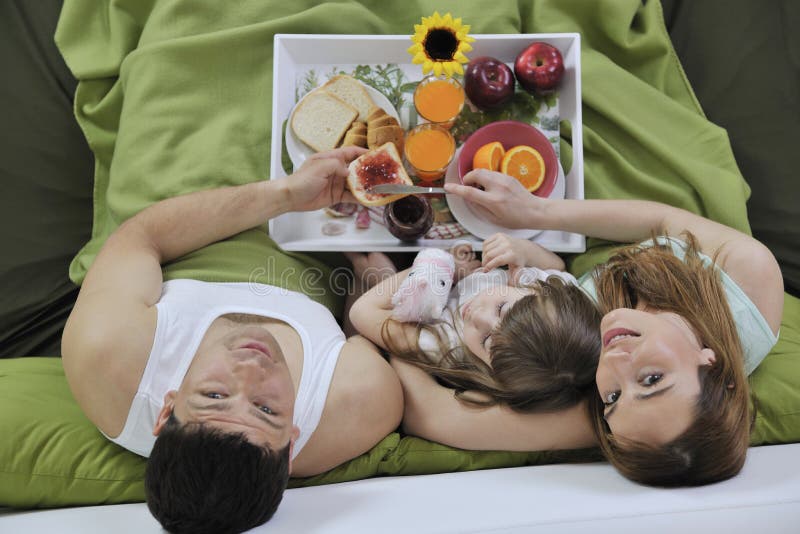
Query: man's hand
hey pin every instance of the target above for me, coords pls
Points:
(321, 180)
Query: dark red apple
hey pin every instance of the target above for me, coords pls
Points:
(488, 82)
(539, 67)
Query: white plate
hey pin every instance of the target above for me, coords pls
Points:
(299, 151)
(484, 229)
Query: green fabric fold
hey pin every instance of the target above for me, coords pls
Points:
(175, 97)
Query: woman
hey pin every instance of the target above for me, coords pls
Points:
(514, 342)
(679, 334)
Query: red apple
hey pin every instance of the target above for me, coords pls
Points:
(539, 67)
(488, 82)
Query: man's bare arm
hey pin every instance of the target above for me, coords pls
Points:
(110, 331)
(364, 404)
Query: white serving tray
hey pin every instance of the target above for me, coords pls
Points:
(294, 53)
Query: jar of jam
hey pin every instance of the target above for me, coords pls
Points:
(408, 218)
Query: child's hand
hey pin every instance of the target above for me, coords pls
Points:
(502, 249)
(466, 261)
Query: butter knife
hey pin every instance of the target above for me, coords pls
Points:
(393, 189)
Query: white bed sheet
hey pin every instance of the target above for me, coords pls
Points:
(765, 497)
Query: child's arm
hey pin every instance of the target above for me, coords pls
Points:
(433, 412)
(374, 307)
(502, 249)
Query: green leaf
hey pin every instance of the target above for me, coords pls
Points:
(386, 79)
(310, 81)
(409, 87)
(550, 122)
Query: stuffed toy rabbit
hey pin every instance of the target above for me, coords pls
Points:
(423, 295)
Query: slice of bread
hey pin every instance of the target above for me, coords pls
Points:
(386, 134)
(379, 166)
(383, 128)
(358, 127)
(379, 117)
(356, 135)
(351, 91)
(375, 112)
(386, 120)
(351, 139)
(320, 120)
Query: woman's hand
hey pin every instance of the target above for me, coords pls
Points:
(321, 180)
(503, 200)
(502, 249)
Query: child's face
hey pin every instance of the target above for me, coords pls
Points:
(483, 313)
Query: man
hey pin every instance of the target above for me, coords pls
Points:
(231, 386)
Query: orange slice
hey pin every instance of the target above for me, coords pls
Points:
(489, 156)
(526, 165)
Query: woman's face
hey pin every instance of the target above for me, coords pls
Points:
(483, 313)
(648, 373)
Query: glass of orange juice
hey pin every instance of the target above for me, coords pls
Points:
(439, 100)
(429, 149)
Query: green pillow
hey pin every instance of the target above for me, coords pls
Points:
(51, 455)
(776, 383)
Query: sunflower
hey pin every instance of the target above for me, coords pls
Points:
(440, 43)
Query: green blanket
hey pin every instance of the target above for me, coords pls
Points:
(174, 96)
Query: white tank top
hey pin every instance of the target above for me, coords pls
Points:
(186, 310)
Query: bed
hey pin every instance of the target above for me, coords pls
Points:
(66, 196)
(557, 498)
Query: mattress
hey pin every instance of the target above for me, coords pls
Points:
(563, 498)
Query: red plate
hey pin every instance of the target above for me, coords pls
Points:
(511, 134)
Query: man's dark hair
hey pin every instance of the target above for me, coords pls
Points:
(200, 479)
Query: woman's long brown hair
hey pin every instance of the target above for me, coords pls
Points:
(714, 446)
(544, 353)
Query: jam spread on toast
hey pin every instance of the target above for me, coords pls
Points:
(378, 169)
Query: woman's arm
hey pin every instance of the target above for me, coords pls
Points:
(504, 201)
(433, 412)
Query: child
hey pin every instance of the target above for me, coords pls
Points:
(526, 338)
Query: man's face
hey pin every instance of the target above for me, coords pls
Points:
(238, 382)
